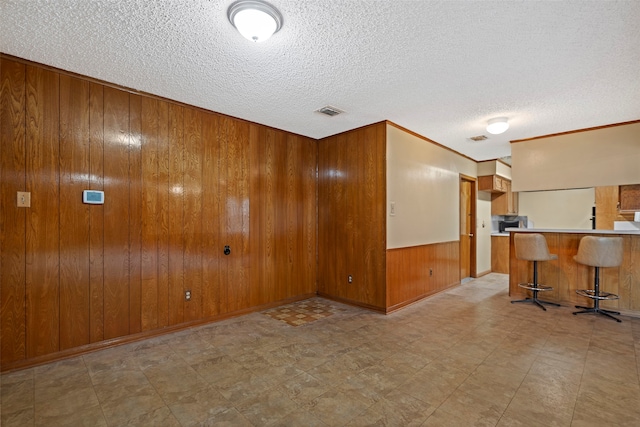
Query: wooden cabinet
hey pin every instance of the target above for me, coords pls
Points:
(616, 203)
(606, 207)
(492, 183)
(500, 254)
(503, 200)
(505, 203)
(629, 198)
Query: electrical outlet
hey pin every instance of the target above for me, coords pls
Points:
(430, 272)
(187, 295)
(350, 279)
(392, 209)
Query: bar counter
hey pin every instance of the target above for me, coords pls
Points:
(566, 276)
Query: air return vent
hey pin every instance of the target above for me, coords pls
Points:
(478, 138)
(329, 111)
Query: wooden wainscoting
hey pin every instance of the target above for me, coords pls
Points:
(352, 215)
(180, 183)
(408, 272)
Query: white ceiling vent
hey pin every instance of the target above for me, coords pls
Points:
(478, 138)
(329, 111)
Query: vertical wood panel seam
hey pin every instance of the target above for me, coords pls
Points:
(103, 219)
(24, 185)
(59, 214)
(89, 185)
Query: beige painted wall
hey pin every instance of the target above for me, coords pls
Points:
(487, 168)
(423, 183)
(494, 167)
(608, 156)
(483, 232)
(558, 209)
(503, 170)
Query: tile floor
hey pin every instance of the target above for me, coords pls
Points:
(464, 357)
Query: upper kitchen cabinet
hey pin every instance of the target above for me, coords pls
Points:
(629, 198)
(616, 203)
(493, 183)
(504, 203)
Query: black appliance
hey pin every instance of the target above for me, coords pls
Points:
(502, 225)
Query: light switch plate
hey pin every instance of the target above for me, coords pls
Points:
(24, 199)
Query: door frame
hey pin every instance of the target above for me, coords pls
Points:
(473, 214)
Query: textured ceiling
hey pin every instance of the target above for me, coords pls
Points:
(438, 68)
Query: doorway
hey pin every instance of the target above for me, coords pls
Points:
(467, 227)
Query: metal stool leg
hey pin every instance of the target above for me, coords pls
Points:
(534, 299)
(596, 302)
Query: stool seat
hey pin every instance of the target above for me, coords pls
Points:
(599, 252)
(533, 247)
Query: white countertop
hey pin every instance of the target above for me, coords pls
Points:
(500, 234)
(568, 230)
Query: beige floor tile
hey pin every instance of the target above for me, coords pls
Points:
(469, 409)
(244, 386)
(276, 375)
(229, 418)
(466, 356)
(521, 419)
(608, 401)
(18, 418)
(299, 417)
(434, 383)
(336, 408)
(267, 408)
(512, 359)
(396, 409)
(544, 400)
(76, 388)
(17, 392)
(407, 361)
(58, 370)
(173, 381)
(494, 384)
(200, 406)
(303, 388)
(123, 403)
(86, 415)
(220, 370)
(158, 417)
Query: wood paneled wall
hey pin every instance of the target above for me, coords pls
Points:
(180, 183)
(409, 276)
(352, 216)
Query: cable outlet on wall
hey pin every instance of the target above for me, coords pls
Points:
(187, 295)
(350, 279)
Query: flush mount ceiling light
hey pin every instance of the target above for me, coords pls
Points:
(256, 20)
(498, 125)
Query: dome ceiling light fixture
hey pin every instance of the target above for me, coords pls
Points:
(497, 125)
(256, 20)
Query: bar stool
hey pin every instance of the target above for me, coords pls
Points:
(533, 247)
(599, 252)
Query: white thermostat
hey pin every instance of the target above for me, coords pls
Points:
(93, 197)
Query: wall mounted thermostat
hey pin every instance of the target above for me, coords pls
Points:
(93, 197)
